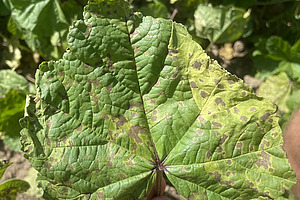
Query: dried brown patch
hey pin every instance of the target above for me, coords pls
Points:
(219, 101)
(193, 84)
(203, 94)
(244, 118)
(224, 137)
(135, 131)
(121, 121)
(264, 161)
(265, 116)
(236, 110)
(216, 124)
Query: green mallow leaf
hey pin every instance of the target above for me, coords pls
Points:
(277, 88)
(13, 90)
(293, 102)
(38, 22)
(156, 9)
(10, 80)
(10, 188)
(278, 48)
(135, 97)
(220, 24)
(3, 166)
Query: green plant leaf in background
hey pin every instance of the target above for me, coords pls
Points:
(3, 166)
(156, 10)
(220, 24)
(278, 48)
(13, 90)
(28, 19)
(281, 90)
(10, 188)
(293, 102)
(276, 55)
(135, 97)
(277, 88)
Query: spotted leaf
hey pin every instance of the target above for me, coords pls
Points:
(135, 96)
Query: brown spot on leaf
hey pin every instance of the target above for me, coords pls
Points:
(175, 75)
(109, 88)
(264, 160)
(193, 84)
(171, 51)
(109, 163)
(123, 176)
(265, 116)
(244, 118)
(61, 73)
(264, 144)
(136, 104)
(49, 124)
(217, 133)
(48, 140)
(47, 165)
(217, 176)
(71, 143)
(95, 99)
(236, 110)
(216, 124)
(249, 183)
(100, 195)
(69, 166)
(79, 128)
(134, 146)
(224, 137)
(121, 121)
(136, 50)
(220, 86)
(105, 116)
(239, 145)
(153, 118)
(135, 131)
(201, 119)
(219, 101)
(203, 94)
(252, 109)
(199, 132)
(230, 81)
(197, 65)
(129, 163)
(175, 58)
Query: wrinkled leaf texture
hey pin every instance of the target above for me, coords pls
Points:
(134, 95)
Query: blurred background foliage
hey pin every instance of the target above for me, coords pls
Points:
(258, 40)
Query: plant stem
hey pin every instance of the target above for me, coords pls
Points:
(174, 14)
(158, 183)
